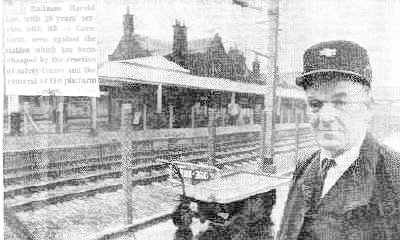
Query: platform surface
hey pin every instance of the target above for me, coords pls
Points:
(234, 187)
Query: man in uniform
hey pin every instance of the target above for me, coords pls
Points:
(350, 188)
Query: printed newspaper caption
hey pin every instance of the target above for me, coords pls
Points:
(51, 49)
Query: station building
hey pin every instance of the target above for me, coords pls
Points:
(197, 81)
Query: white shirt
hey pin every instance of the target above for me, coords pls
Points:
(343, 162)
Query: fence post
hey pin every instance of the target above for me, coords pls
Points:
(109, 106)
(65, 114)
(144, 116)
(212, 134)
(192, 116)
(251, 116)
(223, 112)
(60, 118)
(25, 114)
(159, 98)
(262, 137)
(126, 116)
(93, 118)
(128, 150)
(9, 122)
(15, 115)
(267, 163)
(171, 116)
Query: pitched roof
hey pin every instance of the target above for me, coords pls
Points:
(158, 70)
(155, 62)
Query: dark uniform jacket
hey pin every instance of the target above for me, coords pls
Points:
(363, 204)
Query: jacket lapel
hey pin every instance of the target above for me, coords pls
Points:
(299, 201)
(309, 182)
(355, 187)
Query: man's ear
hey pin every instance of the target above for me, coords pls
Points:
(369, 113)
(370, 100)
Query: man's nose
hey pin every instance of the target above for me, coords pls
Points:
(327, 114)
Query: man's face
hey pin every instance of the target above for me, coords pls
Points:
(340, 113)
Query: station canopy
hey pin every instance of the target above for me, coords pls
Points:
(156, 70)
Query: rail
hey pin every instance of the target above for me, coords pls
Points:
(102, 161)
(34, 171)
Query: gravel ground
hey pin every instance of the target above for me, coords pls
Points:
(166, 230)
(80, 218)
(8, 234)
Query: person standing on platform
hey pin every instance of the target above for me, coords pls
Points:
(350, 188)
(233, 111)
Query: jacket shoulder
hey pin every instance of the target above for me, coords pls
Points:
(391, 159)
(304, 159)
(388, 153)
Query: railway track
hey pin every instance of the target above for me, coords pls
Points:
(25, 189)
(22, 196)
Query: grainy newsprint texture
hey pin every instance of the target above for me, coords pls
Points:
(201, 119)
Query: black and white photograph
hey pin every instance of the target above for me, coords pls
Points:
(200, 120)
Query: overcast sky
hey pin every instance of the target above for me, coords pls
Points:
(374, 24)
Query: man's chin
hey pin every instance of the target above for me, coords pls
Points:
(330, 144)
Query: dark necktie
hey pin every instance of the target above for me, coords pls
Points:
(326, 164)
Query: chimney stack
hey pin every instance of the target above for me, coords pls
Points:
(128, 24)
(179, 47)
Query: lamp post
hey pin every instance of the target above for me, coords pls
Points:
(273, 14)
(270, 105)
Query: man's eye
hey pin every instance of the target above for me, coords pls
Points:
(315, 105)
(339, 103)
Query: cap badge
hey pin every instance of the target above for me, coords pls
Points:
(328, 52)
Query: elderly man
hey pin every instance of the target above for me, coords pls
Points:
(350, 188)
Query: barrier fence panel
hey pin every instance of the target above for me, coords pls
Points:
(37, 180)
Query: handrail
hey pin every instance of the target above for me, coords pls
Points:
(38, 142)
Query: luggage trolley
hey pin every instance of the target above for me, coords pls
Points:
(228, 205)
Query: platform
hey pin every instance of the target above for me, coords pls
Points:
(234, 187)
